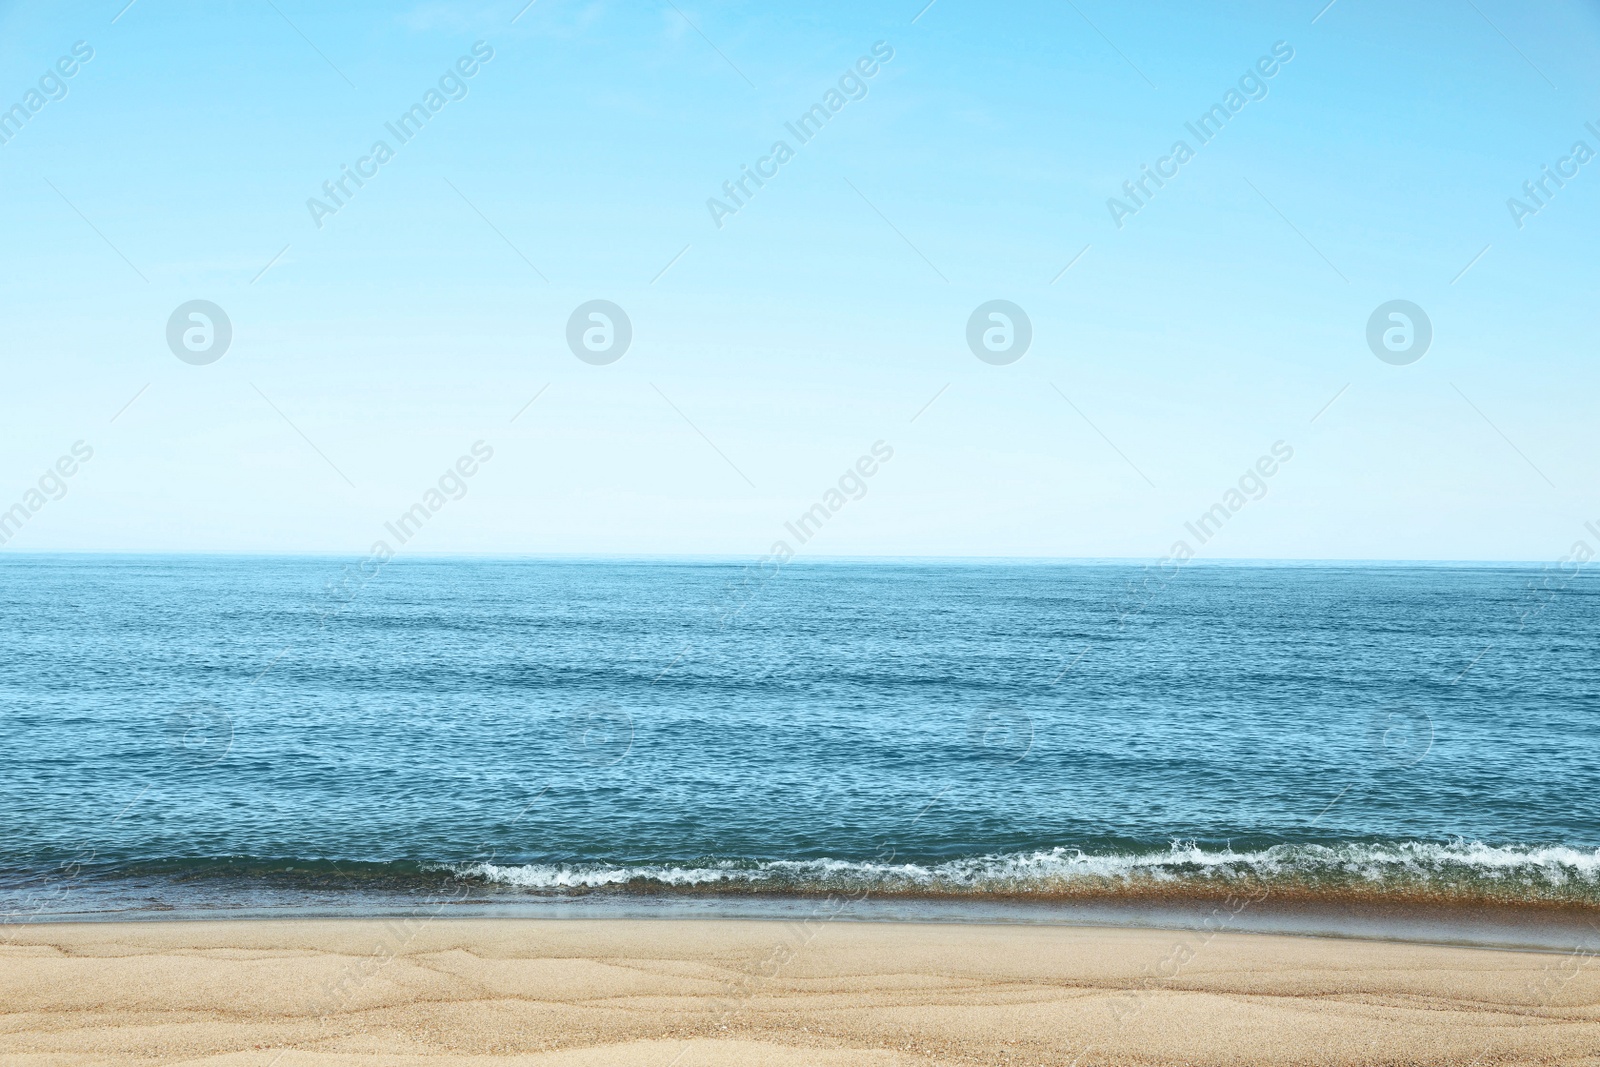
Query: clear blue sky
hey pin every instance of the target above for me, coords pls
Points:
(822, 316)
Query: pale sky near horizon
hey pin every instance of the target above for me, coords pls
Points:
(1169, 353)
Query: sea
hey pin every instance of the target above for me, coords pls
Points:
(996, 740)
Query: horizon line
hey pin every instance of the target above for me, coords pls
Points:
(619, 557)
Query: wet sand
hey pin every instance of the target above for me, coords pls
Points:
(696, 993)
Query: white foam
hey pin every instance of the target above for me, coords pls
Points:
(1408, 861)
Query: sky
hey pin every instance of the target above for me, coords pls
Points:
(1180, 333)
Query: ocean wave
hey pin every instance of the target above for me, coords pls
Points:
(1456, 869)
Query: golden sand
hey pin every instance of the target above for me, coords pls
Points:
(695, 993)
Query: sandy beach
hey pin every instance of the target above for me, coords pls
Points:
(687, 993)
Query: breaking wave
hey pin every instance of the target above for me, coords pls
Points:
(1459, 870)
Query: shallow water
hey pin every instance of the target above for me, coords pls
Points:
(239, 733)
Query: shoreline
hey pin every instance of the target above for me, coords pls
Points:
(581, 992)
(1542, 926)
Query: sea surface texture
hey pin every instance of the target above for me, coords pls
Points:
(237, 732)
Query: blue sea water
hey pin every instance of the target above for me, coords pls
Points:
(260, 731)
